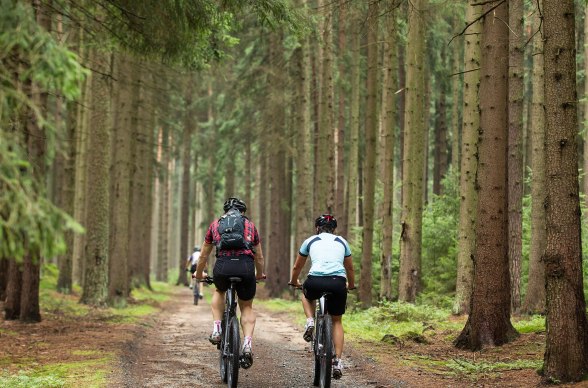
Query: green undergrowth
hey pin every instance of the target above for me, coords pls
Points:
(532, 324)
(143, 301)
(470, 369)
(91, 372)
(396, 322)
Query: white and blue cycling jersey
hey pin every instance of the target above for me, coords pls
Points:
(327, 252)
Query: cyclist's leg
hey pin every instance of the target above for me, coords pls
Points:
(309, 306)
(338, 336)
(247, 317)
(218, 305)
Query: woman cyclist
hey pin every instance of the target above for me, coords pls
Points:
(331, 271)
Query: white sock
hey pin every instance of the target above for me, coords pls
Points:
(247, 341)
(310, 321)
(217, 326)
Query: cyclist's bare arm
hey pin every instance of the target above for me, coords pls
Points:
(259, 262)
(298, 265)
(203, 259)
(348, 264)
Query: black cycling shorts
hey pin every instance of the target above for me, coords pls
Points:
(314, 286)
(242, 266)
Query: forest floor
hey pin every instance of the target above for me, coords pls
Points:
(169, 348)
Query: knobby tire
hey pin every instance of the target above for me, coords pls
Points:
(233, 356)
(327, 353)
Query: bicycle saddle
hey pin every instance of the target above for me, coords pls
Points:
(235, 279)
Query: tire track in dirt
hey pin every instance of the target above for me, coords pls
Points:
(172, 350)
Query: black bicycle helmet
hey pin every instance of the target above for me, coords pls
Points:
(236, 203)
(327, 220)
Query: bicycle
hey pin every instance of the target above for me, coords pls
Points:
(322, 342)
(229, 346)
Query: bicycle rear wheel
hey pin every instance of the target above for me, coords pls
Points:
(233, 356)
(327, 352)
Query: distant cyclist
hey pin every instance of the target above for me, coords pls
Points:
(331, 271)
(191, 262)
(246, 262)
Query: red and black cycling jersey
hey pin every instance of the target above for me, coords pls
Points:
(251, 236)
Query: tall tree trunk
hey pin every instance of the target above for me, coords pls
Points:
(390, 85)
(414, 159)
(37, 152)
(185, 201)
(118, 287)
(163, 206)
(303, 161)
(279, 260)
(515, 149)
(326, 152)
(468, 165)
(489, 320)
(585, 123)
(352, 180)
(95, 288)
(566, 351)
(138, 187)
(371, 150)
(81, 171)
(535, 297)
(455, 84)
(341, 130)
(68, 183)
(440, 149)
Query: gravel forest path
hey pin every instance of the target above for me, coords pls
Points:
(171, 350)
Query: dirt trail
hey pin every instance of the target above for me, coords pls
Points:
(172, 350)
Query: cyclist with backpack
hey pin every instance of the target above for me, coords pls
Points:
(238, 252)
(331, 271)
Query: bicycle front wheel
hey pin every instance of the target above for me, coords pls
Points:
(327, 353)
(233, 356)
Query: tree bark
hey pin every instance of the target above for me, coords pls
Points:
(13, 291)
(390, 85)
(515, 149)
(95, 288)
(326, 151)
(468, 168)
(489, 320)
(352, 180)
(371, 150)
(303, 160)
(341, 127)
(118, 287)
(414, 159)
(185, 199)
(535, 297)
(566, 350)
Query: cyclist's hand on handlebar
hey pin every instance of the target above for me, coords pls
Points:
(295, 284)
(198, 276)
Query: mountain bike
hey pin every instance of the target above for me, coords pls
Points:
(323, 347)
(230, 340)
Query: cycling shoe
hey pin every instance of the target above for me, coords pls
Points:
(246, 359)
